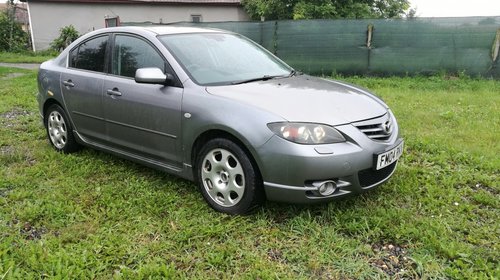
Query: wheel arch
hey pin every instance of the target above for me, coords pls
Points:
(219, 133)
(49, 102)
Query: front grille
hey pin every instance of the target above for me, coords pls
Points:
(370, 176)
(379, 129)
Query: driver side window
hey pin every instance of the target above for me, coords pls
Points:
(131, 53)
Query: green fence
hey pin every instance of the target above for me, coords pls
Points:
(379, 46)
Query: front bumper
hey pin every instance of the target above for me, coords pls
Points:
(291, 171)
(346, 186)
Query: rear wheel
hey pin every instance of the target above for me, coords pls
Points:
(59, 130)
(227, 178)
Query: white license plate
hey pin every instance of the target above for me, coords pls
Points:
(389, 157)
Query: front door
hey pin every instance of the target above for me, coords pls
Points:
(141, 119)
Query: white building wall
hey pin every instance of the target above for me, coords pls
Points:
(48, 18)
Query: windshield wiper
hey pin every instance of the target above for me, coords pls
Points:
(267, 77)
(294, 73)
(263, 78)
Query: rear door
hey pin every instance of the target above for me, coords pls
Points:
(82, 86)
(141, 119)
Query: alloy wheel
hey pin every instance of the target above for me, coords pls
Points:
(58, 132)
(223, 177)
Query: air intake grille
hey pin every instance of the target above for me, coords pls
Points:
(370, 177)
(378, 129)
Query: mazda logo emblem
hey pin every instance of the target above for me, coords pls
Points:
(387, 127)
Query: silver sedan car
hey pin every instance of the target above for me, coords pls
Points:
(216, 108)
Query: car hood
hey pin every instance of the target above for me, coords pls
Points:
(306, 99)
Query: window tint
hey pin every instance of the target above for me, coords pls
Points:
(90, 55)
(131, 53)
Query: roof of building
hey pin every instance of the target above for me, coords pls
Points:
(212, 2)
(21, 11)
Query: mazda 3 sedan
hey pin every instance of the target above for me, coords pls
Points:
(216, 108)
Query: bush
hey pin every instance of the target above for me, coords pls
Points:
(12, 36)
(67, 35)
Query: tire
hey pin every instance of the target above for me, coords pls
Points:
(227, 179)
(59, 130)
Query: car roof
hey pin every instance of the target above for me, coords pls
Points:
(162, 30)
(153, 30)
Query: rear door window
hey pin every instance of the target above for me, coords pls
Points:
(90, 55)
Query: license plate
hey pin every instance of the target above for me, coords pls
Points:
(387, 158)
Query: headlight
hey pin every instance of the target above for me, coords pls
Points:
(306, 133)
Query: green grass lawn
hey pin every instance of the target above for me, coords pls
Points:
(90, 215)
(27, 57)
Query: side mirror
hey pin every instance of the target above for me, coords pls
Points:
(153, 76)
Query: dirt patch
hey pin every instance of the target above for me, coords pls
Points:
(11, 76)
(7, 150)
(484, 187)
(5, 191)
(8, 118)
(15, 113)
(9, 155)
(392, 259)
(32, 233)
(477, 186)
(275, 255)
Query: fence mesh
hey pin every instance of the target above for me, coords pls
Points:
(378, 46)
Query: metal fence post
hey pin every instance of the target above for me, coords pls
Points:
(369, 36)
(275, 39)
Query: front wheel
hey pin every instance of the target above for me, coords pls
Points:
(227, 178)
(59, 130)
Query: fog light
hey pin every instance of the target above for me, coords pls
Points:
(326, 188)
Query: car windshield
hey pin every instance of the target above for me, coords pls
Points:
(222, 59)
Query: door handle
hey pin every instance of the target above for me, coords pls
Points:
(114, 92)
(68, 83)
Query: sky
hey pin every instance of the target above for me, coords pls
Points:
(456, 8)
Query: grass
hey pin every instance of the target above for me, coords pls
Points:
(27, 57)
(92, 215)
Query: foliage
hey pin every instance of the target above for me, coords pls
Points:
(67, 35)
(91, 215)
(27, 56)
(325, 9)
(270, 9)
(308, 10)
(12, 36)
(412, 13)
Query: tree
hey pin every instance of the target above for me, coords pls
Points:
(12, 36)
(308, 10)
(390, 8)
(325, 9)
(67, 35)
(412, 13)
(269, 9)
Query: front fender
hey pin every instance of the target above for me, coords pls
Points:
(203, 112)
